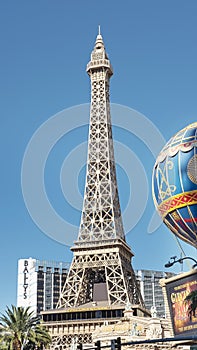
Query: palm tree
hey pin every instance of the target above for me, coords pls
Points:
(192, 299)
(20, 329)
(39, 337)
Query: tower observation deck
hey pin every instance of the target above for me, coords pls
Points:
(101, 263)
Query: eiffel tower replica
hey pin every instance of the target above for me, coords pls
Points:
(101, 282)
(101, 254)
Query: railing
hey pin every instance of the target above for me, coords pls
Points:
(116, 343)
(110, 241)
(101, 62)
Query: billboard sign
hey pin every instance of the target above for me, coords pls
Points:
(177, 290)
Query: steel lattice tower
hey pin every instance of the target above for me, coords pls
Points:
(100, 253)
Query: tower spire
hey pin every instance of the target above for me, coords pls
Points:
(100, 252)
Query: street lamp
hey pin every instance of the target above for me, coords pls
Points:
(174, 260)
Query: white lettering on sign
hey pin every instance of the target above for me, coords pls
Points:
(25, 281)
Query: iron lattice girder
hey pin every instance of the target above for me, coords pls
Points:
(101, 216)
(116, 269)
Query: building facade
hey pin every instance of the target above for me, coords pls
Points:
(40, 283)
(151, 289)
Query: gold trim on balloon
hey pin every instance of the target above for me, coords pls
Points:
(165, 189)
(178, 201)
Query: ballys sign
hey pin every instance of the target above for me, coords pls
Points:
(25, 280)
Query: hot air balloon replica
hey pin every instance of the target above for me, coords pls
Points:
(174, 184)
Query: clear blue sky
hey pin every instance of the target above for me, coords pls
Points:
(45, 46)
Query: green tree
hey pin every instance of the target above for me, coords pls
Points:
(21, 330)
(191, 299)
